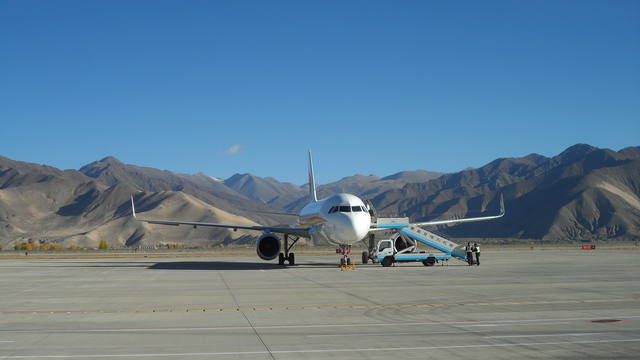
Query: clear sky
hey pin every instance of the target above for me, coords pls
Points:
(371, 87)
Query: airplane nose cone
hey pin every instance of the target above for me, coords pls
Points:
(357, 229)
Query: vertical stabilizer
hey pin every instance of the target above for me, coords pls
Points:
(312, 181)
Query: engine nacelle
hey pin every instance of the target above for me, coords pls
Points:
(268, 246)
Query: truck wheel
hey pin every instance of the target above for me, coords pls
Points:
(365, 257)
(388, 261)
(430, 261)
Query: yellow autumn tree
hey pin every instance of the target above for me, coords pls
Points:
(44, 247)
(28, 247)
(103, 245)
(74, 247)
(18, 246)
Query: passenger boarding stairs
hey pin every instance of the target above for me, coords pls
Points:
(433, 239)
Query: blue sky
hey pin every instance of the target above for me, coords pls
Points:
(371, 87)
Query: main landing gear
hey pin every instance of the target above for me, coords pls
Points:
(346, 260)
(287, 256)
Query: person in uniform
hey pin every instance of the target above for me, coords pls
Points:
(476, 249)
(469, 254)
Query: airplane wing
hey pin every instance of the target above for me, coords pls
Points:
(280, 230)
(456, 221)
(276, 214)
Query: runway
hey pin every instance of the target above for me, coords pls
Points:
(516, 305)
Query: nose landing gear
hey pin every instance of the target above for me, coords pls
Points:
(346, 262)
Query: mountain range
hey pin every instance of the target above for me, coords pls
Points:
(584, 193)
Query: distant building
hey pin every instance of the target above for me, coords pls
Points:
(147, 247)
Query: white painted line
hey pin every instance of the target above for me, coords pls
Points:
(486, 325)
(570, 334)
(528, 324)
(5, 341)
(409, 333)
(475, 347)
(122, 330)
(109, 270)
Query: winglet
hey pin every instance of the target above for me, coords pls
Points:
(501, 204)
(133, 208)
(312, 181)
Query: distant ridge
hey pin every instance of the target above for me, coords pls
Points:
(583, 193)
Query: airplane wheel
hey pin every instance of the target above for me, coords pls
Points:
(292, 259)
(281, 259)
(388, 261)
(365, 257)
(349, 261)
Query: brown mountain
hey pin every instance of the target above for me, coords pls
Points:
(41, 202)
(583, 193)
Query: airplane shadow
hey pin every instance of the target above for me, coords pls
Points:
(231, 265)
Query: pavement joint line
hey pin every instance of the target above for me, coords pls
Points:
(245, 316)
(335, 306)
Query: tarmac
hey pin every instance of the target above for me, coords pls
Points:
(515, 305)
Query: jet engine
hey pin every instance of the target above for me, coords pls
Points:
(268, 246)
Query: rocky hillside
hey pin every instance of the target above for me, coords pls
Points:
(582, 193)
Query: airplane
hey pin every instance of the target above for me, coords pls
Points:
(338, 220)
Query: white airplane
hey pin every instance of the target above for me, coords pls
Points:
(339, 220)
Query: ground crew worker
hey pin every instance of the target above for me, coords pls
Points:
(476, 249)
(469, 254)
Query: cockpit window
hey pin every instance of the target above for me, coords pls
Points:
(345, 208)
(332, 210)
(356, 209)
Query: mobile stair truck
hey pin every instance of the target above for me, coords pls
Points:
(402, 246)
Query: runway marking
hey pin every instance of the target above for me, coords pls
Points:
(465, 324)
(569, 334)
(553, 323)
(296, 307)
(397, 334)
(109, 270)
(475, 347)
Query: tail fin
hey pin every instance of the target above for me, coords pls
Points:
(312, 181)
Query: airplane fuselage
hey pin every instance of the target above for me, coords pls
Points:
(340, 219)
